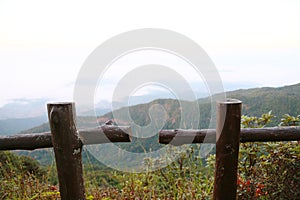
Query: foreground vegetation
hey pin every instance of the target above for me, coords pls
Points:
(266, 171)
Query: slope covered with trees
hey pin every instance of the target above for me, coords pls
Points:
(282, 100)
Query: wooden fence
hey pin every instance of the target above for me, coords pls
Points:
(67, 143)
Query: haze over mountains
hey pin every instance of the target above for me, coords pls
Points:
(27, 113)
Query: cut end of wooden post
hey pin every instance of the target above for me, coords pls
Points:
(230, 101)
(60, 103)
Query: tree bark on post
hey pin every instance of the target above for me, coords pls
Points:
(227, 149)
(67, 148)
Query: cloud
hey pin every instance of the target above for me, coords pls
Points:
(44, 44)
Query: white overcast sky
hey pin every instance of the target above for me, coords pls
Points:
(44, 43)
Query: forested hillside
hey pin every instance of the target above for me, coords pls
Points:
(255, 102)
(282, 100)
(261, 100)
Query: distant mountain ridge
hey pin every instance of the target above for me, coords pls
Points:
(256, 101)
(281, 100)
(13, 126)
(23, 108)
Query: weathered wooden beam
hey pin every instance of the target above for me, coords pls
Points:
(105, 134)
(122, 134)
(67, 149)
(98, 135)
(26, 141)
(270, 134)
(227, 149)
(180, 136)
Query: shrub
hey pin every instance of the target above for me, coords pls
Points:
(269, 170)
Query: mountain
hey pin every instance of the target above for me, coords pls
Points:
(256, 101)
(81, 121)
(13, 126)
(23, 114)
(23, 108)
(281, 100)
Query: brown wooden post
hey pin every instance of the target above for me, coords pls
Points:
(227, 149)
(67, 148)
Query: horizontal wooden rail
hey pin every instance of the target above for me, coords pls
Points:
(106, 134)
(98, 135)
(274, 134)
(26, 141)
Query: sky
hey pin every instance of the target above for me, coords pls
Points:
(43, 44)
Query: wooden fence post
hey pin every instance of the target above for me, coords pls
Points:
(67, 148)
(227, 149)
